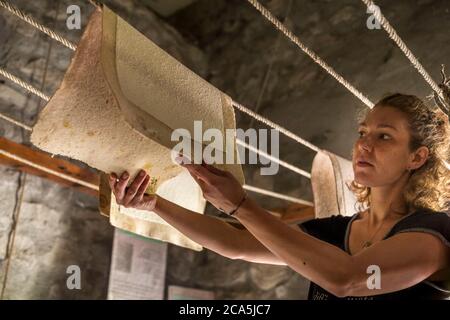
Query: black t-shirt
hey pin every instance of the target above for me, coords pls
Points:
(335, 230)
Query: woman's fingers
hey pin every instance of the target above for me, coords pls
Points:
(119, 190)
(134, 194)
(214, 169)
(133, 188)
(193, 171)
(199, 171)
(200, 182)
(137, 200)
(204, 171)
(112, 180)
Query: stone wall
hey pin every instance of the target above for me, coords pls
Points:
(244, 50)
(56, 226)
(229, 44)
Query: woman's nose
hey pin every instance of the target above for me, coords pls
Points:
(365, 144)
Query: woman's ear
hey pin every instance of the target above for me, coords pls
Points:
(418, 158)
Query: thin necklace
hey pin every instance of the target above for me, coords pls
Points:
(368, 243)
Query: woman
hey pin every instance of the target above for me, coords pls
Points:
(404, 235)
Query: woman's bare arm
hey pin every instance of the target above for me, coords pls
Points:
(215, 234)
(404, 259)
(209, 232)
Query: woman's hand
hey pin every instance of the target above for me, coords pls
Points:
(219, 187)
(133, 196)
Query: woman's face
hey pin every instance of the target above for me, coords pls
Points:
(381, 154)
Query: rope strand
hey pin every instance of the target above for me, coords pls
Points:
(42, 95)
(281, 27)
(402, 45)
(23, 84)
(95, 187)
(80, 182)
(235, 104)
(274, 159)
(49, 171)
(71, 46)
(275, 126)
(37, 25)
(278, 195)
(15, 122)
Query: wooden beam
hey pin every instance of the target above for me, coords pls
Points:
(45, 160)
(105, 195)
(291, 214)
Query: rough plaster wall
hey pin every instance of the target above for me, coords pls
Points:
(58, 227)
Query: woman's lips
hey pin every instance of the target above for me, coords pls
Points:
(363, 164)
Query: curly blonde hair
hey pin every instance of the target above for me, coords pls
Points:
(429, 186)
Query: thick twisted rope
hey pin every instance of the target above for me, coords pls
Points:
(95, 187)
(256, 116)
(80, 182)
(235, 104)
(278, 195)
(274, 159)
(281, 27)
(47, 98)
(37, 25)
(15, 122)
(49, 171)
(28, 128)
(402, 45)
(26, 86)
(268, 72)
(275, 126)
(23, 84)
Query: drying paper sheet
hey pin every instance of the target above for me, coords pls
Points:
(330, 177)
(120, 100)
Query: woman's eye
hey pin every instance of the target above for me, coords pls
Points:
(361, 133)
(385, 136)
